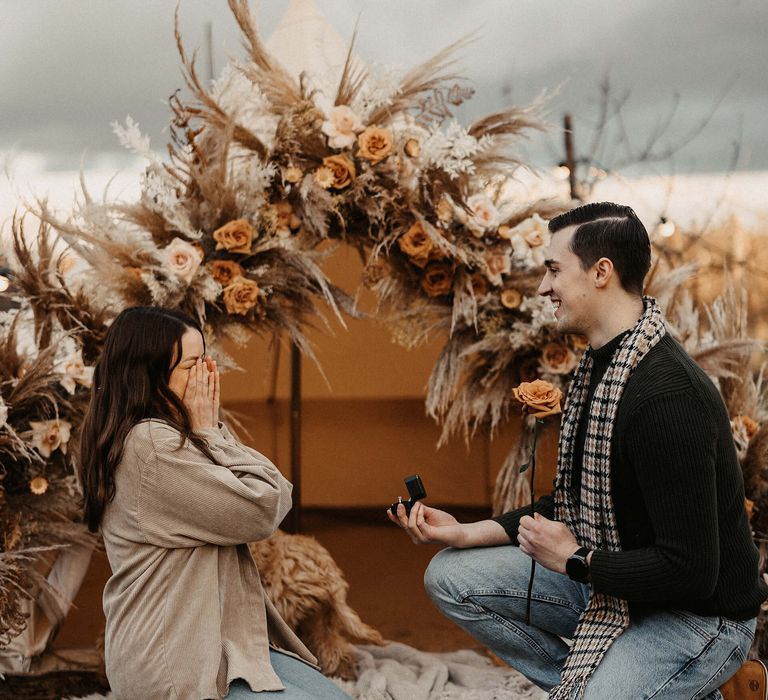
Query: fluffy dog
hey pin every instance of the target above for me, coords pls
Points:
(310, 593)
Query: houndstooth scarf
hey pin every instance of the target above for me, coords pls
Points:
(592, 519)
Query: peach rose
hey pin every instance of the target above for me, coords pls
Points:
(558, 359)
(341, 127)
(50, 435)
(437, 280)
(374, 144)
(539, 398)
(224, 271)
(511, 298)
(342, 172)
(38, 485)
(241, 295)
(235, 236)
(412, 148)
(182, 258)
(416, 244)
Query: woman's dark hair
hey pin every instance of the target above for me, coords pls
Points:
(130, 384)
(613, 231)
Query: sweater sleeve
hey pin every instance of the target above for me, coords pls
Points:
(185, 500)
(671, 443)
(511, 521)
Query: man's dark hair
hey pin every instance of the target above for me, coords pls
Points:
(613, 231)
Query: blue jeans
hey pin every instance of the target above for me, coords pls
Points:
(301, 681)
(672, 654)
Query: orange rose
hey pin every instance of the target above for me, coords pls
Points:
(416, 244)
(437, 280)
(241, 296)
(558, 359)
(745, 425)
(235, 236)
(342, 172)
(374, 144)
(539, 398)
(511, 298)
(224, 271)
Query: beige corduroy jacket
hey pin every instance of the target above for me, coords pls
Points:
(185, 609)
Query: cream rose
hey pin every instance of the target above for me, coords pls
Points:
(558, 359)
(235, 236)
(341, 127)
(241, 295)
(374, 144)
(50, 435)
(483, 214)
(539, 398)
(498, 264)
(182, 258)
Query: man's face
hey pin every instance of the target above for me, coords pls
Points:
(567, 285)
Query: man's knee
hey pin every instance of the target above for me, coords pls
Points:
(440, 576)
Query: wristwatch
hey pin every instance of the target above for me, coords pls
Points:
(577, 566)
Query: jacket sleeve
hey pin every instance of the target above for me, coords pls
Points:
(185, 500)
(672, 444)
(511, 521)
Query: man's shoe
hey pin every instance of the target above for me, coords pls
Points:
(749, 683)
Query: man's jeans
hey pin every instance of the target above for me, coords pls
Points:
(672, 654)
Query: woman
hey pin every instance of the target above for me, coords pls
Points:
(177, 498)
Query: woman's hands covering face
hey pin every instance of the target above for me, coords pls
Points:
(202, 394)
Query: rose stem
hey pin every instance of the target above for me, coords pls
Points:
(533, 561)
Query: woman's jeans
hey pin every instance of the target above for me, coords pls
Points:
(672, 654)
(301, 681)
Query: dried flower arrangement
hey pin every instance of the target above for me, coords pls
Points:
(263, 171)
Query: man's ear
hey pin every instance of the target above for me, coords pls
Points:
(602, 271)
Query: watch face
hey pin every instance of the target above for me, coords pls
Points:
(576, 567)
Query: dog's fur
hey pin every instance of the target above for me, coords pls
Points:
(310, 593)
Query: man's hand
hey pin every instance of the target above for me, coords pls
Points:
(549, 542)
(429, 525)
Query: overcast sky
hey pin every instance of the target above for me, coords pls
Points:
(70, 67)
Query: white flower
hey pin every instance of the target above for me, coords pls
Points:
(131, 138)
(3, 413)
(50, 435)
(484, 214)
(74, 372)
(528, 239)
(497, 264)
(182, 258)
(342, 127)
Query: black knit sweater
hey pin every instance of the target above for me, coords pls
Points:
(678, 494)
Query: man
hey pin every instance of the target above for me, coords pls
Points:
(646, 560)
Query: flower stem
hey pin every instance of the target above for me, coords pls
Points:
(533, 476)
